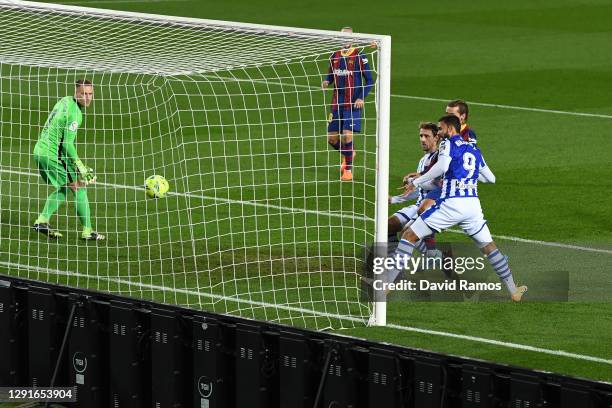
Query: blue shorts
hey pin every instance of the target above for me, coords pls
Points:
(345, 119)
(434, 194)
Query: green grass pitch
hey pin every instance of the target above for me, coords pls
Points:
(553, 178)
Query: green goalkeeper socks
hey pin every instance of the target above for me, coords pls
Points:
(54, 201)
(82, 204)
(58, 197)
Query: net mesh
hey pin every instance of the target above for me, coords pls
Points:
(257, 222)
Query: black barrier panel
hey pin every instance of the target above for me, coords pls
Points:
(406, 379)
(477, 389)
(574, 396)
(13, 334)
(256, 367)
(170, 375)
(362, 357)
(452, 384)
(213, 363)
(297, 370)
(41, 347)
(383, 379)
(47, 322)
(525, 391)
(341, 382)
(551, 394)
(7, 334)
(130, 376)
(501, 388)
(427, 382)
(88, 353)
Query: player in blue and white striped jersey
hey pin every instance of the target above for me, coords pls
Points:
(462, 166)
(460, 109)
(428, 136)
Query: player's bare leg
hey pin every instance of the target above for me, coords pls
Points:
(394, 225)
(429, 241)
(425, 205)
(410, 236)
(333, 138)
(348, 154)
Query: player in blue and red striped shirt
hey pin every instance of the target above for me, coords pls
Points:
(459, 108)
(349, 72)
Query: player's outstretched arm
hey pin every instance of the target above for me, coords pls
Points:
(329, 78)
(430, 185)
(438, 169)
(413, 195)
(485, 175)
(410, 176)
(86, 173)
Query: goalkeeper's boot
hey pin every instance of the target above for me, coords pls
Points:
(45, 228)
(520, 291)
(90, 235)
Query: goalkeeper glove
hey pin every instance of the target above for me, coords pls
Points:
(87, 175)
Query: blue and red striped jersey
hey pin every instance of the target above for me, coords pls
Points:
(350, 72)
(468, 134)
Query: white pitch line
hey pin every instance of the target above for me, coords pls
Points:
(330, 214)
(254, 204)
(512, 107)
(223, 200)
(543, 243)
(111, 2)
(499, 343)
(558, 353)
(424, 98)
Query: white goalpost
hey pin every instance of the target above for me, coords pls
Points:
(257, 222)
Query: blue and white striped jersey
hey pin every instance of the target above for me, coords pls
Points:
(461, 178)
(428, 160)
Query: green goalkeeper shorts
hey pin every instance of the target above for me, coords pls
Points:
(54, 170)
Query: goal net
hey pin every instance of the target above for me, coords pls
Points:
(257, 222)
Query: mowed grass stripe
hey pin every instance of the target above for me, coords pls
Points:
(325, 213)
(220, 199)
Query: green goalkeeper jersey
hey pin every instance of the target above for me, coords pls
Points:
(58, 136)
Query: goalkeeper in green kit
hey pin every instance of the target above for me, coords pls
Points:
(59, 164)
